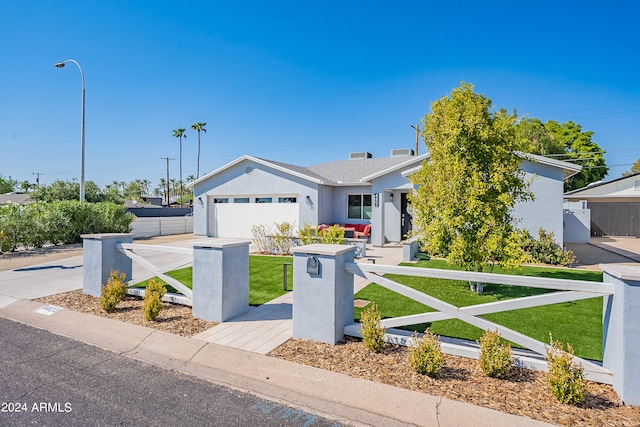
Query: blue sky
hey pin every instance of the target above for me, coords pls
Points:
(294, 81)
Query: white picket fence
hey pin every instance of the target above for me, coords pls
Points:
(161, 226)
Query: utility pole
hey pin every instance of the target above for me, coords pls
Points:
(168, 191)
(37, 174)
(417, 128)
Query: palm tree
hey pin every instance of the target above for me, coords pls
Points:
(179, 133)
(199, 127)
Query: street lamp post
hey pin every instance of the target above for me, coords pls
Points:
(61, 65)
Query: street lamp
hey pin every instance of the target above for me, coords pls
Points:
(61, 65)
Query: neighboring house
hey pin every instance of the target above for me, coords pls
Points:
(17, 198)
(250, 191)
(614, 205)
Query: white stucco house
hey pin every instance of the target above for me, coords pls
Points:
(360, 190)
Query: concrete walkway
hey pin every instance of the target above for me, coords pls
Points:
(628, 247)
(268, 326)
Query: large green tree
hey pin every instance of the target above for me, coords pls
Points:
(199, 127)
(467, 190)
(180, 133)
(68, 190)
(568, 142)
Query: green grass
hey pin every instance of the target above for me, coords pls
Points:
(577, 322)
(265, 278)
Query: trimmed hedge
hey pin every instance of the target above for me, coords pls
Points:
(59, 222)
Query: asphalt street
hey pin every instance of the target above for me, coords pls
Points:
(50, 380)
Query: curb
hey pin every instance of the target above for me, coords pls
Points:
(332, 395)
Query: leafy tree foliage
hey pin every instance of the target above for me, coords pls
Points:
(578, 146)
(70, 190)
(7, 185)
(535, 138)
(467, 191)
(199, 127)
(634, 169)
(566, 141)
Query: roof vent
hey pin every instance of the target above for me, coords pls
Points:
(360, 155)
(402, 152)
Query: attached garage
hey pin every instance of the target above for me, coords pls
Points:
(234, 220)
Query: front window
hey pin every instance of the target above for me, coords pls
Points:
(220, 200)
(263, 199)
(359, 206)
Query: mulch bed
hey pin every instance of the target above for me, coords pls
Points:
(521, 392)
(173, 318)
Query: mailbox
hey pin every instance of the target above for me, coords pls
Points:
(313, 266)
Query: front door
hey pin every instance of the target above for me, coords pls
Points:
(405, 216)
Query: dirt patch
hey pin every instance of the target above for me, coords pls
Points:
(522, 392)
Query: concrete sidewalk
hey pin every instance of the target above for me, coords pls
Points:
(330, 394)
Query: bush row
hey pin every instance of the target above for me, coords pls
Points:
(60, 222)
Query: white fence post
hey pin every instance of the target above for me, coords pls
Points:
(621, 334)
(100, 257)
(220, 279)
(322, 292)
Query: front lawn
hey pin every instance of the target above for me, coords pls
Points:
(576, 322)
(265, 278)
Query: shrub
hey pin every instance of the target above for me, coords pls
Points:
(152, 304)
(113, 291)
(260, 233)
(370, 328)
(565, 376)
(546, 250)
(425, 356)
(495, 358)
(11, 227)
(306, 235)
(333, 235)
(282, 238)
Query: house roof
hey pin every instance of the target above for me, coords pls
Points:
(600, 184)
(568, 169)
(337, 173)
(364, 170)
(356, 171)
(18, 198)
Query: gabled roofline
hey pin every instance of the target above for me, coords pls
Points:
(568, 169)
(592, 185)
(256, 160)
(412, 160)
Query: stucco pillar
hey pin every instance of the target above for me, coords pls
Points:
(322, 301)
(100, 257)
(621, 334)
(220, 279)
(377, 219)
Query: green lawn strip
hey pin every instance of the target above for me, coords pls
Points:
(265, 278)
(576, 322)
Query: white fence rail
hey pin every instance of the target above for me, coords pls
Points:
(161, 226)
(129, 249)
(570, 290)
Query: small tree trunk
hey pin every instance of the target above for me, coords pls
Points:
(477, 286)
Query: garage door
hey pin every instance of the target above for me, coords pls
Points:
(236, 219)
